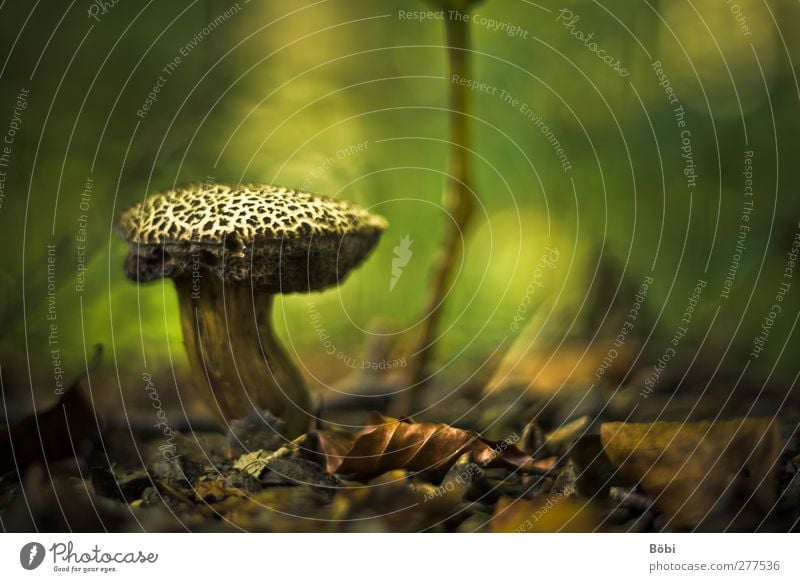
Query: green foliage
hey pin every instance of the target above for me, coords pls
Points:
(278, 96)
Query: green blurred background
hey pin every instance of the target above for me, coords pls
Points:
(283, 92)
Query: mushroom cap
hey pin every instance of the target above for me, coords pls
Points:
(276, 239)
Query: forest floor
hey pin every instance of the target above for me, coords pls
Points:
(509, 458)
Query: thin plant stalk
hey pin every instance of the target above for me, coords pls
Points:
(458, 199)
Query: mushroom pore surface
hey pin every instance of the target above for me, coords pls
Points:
(276, 239)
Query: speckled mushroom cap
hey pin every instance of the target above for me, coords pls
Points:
(277, 239)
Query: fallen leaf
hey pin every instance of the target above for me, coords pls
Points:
(255, 462)
(700, 472)
(215, 489)
(558, 512)
(559, 440)
(532, 439)
(333, 446)
(396, 444)
(466, 480)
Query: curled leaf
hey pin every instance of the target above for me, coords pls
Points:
(333, 446)
(395, 444)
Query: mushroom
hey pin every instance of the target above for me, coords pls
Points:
(229, 250)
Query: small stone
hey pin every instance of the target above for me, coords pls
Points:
(258, 430)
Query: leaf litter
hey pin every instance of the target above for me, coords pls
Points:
(543, 470)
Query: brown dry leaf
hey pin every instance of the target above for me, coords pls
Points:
(334, 445)
(254, 463)
(396, 444)
(559, 440)
(700, 472)
(558, 512)
(216, 489)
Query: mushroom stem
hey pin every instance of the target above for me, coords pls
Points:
(236, 359)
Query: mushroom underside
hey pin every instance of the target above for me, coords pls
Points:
(274, 266)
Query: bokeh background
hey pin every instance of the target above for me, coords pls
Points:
(349, 99)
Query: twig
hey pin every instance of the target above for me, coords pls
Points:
(458, 201)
